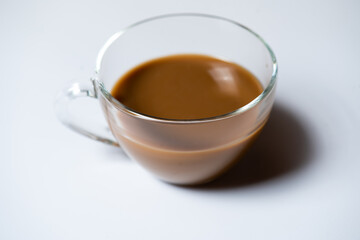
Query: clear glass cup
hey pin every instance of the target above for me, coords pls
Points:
(177, 151)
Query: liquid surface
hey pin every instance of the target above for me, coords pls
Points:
(186, 87)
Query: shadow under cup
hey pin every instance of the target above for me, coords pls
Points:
(185, 151)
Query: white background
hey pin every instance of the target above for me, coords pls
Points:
(300, 180)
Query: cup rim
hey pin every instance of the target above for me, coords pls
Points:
(268, 89)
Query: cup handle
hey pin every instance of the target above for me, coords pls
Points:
(77, 121)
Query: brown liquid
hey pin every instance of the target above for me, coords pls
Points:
(186, 87)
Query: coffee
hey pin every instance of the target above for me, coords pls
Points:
(186, 87)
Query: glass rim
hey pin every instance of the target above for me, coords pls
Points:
(268, 89)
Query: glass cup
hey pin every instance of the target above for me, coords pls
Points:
(177, 151)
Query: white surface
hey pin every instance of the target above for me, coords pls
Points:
(300, 181)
